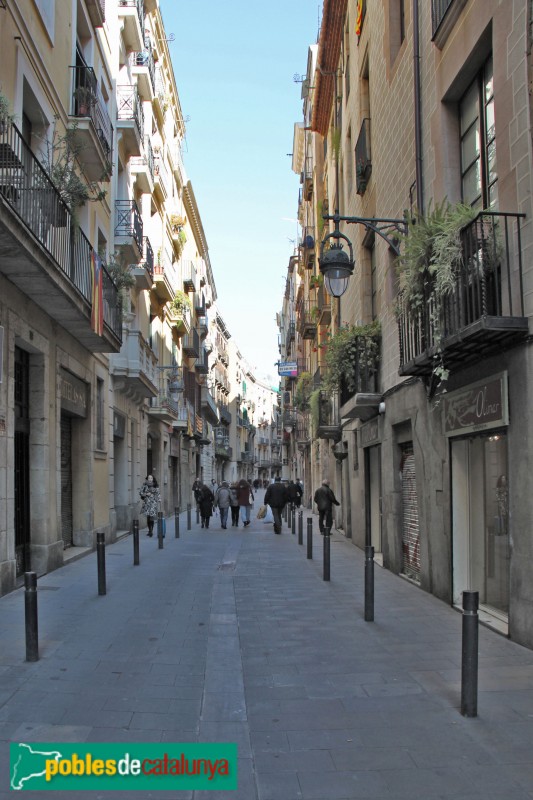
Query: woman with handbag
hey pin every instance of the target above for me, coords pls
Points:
(151, 498)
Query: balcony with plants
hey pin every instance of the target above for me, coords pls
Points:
(307, 315)
(162, 285)
(179, 313)
(461, 295)
(92, 127)
(44, 251)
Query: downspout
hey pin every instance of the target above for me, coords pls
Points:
(418, 110)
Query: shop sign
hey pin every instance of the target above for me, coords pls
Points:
(370, 433)
(288, 369)
(73, 394)
(478, 407)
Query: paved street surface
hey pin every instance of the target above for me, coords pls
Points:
(233, 636)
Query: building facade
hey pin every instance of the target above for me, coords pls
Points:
(431, 409)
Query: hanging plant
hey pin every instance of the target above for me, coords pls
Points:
(302, 391)
(352, 350)
(314, 408)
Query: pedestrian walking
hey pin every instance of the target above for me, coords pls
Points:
(295, 494)
(325, 500)
(206, 505)
(300, 492)
(245, 497)
(277, 497)
(223, 501)
(196, 490)
(234, 505)
(151, 499)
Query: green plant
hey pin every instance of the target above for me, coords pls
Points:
(5, 115)
(180, 301)
(336, 142)
(314, 407)
(85, 99)
(121, 275)
(60, 158)
(302, 391)
(316, 281)
(351, 351)
(177, 222)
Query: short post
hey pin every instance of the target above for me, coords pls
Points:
(300, 527)
(176, 522)
(100, 560)
(469, 666)
(31, 620)
(327, 538)
(369, 583)
(293, 520)
(160, 530)
(135, 525)
(188, 516)
(309, 537)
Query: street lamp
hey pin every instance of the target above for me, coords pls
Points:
(175, 380)
(335, 263)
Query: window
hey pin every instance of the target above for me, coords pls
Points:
(478, 141)
(396, 27)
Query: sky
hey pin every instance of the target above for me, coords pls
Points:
(234, 64)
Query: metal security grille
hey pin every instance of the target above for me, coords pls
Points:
(411, 529)
(66, 481)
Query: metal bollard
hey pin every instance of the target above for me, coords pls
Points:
(469, 665)
(327, 538)
(309, 537)
(31, 619)
(135, 526)
(188, 516)
(369, 584)
(176, 522)
(160, 530)
(300, 527)
(100, 560)
(293, 521)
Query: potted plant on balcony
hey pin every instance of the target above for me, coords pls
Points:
(85, 98)
(177, 222)
(302, 391)
(351, 349)
(6, 118)
(179, 302)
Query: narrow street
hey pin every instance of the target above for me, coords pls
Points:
(233, 636)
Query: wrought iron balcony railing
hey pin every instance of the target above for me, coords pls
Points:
(88, 101)
(365, 369)
(328, 423)
(129, 107)
(128, 221)
(483, 311)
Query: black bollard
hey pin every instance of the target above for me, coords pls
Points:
(188, 516)
(327, 538)
(31, 619)
(136, 561)
(369, 583)
(300, 527)
(309, 537)
(100, 559)
(469, 666)
(293, 521)
(177, 522)
(160, 522)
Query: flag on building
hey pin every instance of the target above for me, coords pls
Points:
(359, 17)
(97, 314)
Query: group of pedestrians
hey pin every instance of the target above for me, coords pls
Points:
(239, 497)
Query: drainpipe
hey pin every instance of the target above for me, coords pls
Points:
(418, 109)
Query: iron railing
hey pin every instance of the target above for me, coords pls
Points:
(145, 58)
(139, 5)
(129, 107)
(32, 196)
(488, 282)
(148, 257)
(363, 158)
(129, 222)
(365, 369)
(88, 101)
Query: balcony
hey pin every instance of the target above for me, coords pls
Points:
(328, 423)
(143, 68)
(483, 312)
(363, 159)
(136, 365)
(93, 128)
(209, 406)
(444, 15)
(162, 285)
(307, 179)
(307, 247)
(177, 163)
(191, 344)
(182, 421)
(291, 335)
(130, 120)
(201, 433)
(303, 428)
(161, 177)
(144, 272)
(96, 9)
(131, 14)
(199, 304)
(225, 414)
(190, 278)
(142, 168)
(247, 457)
(202, 363)
(128, 231)
(164, 408)
(324, 306)
(43, 257)
(179, 320)
(223, 451)
(307, 316)
(360, 399)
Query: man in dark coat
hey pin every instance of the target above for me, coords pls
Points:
(295, 494)
(324, 499)
(276, 496)
(206, 505)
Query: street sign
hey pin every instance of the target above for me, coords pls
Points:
(288, 369)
